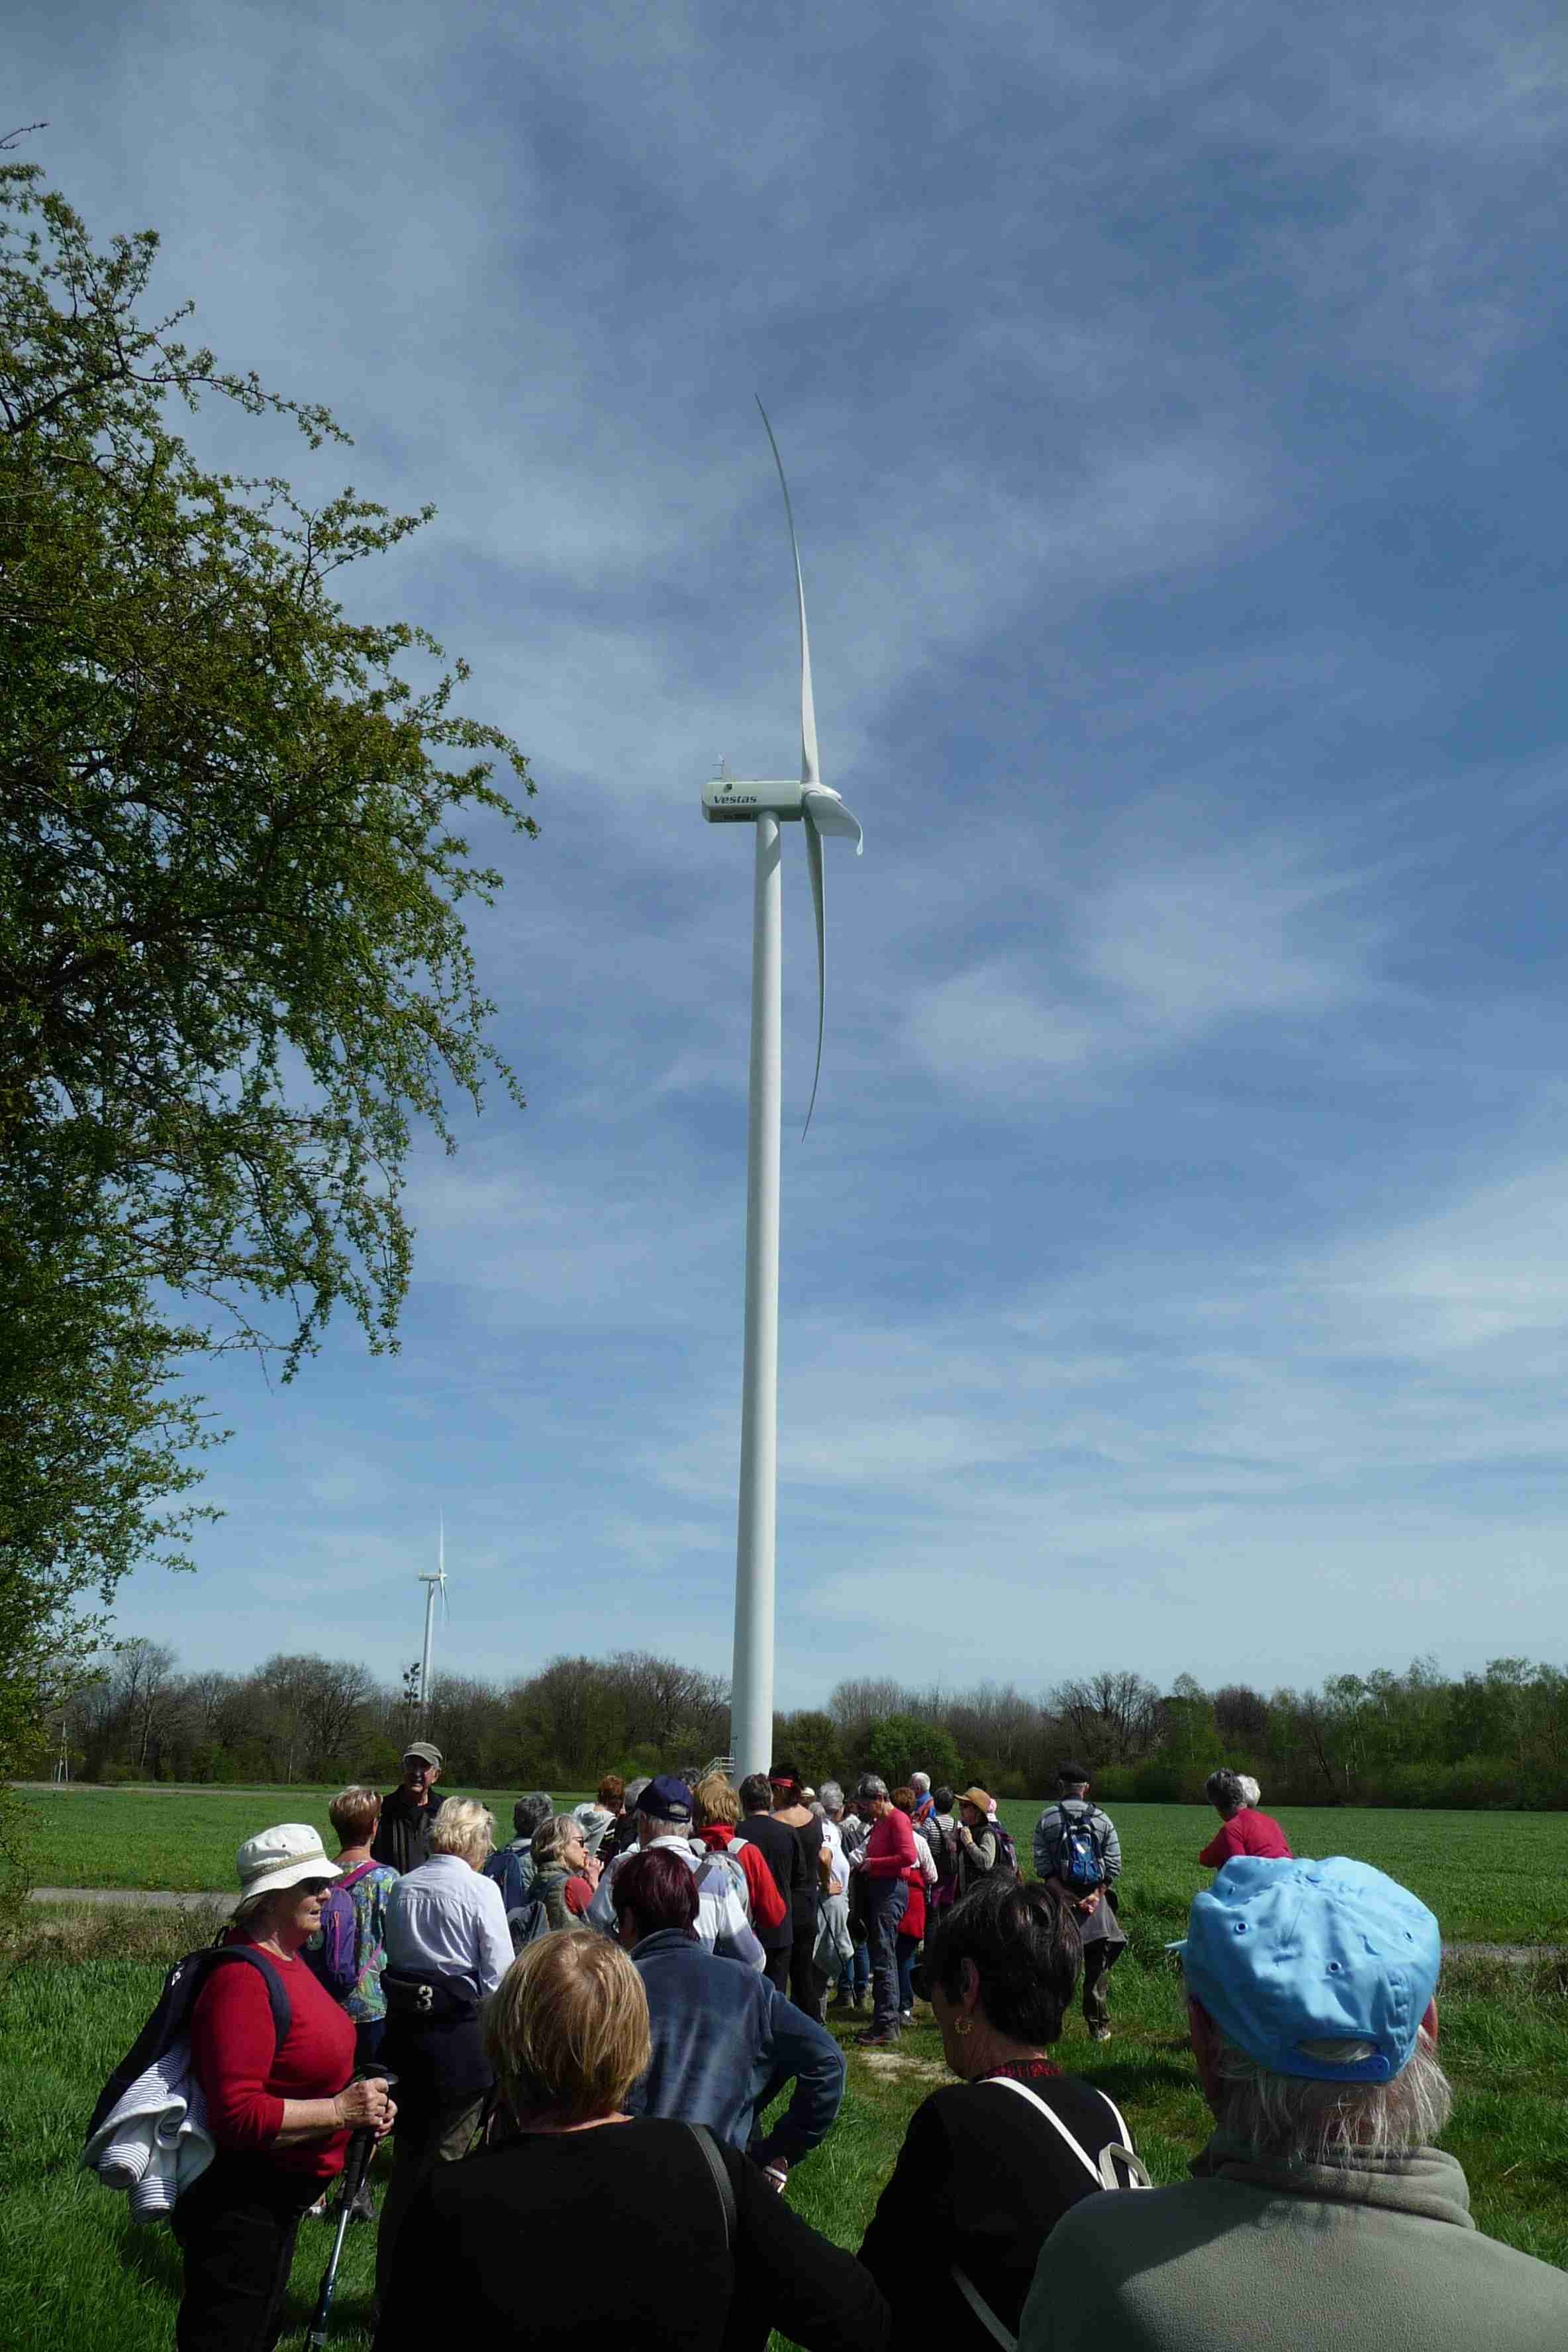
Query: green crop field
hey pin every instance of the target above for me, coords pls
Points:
(1491, 1877)
(74, 2272)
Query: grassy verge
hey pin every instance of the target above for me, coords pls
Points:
(73, 2271)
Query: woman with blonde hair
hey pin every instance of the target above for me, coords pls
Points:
(564, 1876)
(713, 2257)
(448, 1948)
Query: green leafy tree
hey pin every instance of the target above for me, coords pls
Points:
(809, 1739)
(234, 965)
(898, 1745)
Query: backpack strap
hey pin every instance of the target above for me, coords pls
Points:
(277, 1993)
(351, 1877)
(727, 1871)
(1098, 2172)
(722, 2182)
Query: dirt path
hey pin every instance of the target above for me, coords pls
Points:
(146, 1898)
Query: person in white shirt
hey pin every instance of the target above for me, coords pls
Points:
(665, 1819)
(448, 1948)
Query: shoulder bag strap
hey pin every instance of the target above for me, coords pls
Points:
(722, 2182)
(983, 2311)
(1009, 2082)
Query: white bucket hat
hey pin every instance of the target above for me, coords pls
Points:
(282, 1857)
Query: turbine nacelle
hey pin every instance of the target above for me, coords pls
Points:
(734, 800)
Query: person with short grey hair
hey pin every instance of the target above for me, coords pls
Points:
(1320, 2215)
(1243, 1829)
(890, 1851)
(511, 1867)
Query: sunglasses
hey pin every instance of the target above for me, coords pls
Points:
(312, 1886)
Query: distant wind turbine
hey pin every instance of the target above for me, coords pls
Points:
(767, 805)
(433, 1579)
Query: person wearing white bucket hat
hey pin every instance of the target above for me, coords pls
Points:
(281, 2104)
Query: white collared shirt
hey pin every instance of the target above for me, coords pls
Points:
(444, 1920)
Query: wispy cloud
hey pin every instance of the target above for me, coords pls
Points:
(1162, 398)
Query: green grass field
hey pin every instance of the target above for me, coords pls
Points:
(1491, 1877)
(74, 2272)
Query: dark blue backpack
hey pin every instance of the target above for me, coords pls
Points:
(170, 2019)
(1076, 1861)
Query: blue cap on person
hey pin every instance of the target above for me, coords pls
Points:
(1285, 1956)
(666, 1799)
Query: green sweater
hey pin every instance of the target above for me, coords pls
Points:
(1375, 2257)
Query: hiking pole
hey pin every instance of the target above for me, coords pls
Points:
(356, 2164)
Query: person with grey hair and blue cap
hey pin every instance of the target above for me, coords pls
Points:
(1321, 2214)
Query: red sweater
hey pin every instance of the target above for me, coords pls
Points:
(247, 2074)
(890, 1848)
(1246, 1832)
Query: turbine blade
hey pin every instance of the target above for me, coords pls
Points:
(823, 806)
(814, 864)
(809, 770)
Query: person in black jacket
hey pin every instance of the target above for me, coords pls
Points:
(710, 2257)
(984, 2174)
(781, 1850)
(403, 1833)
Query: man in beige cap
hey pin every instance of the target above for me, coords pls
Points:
(407, 1812)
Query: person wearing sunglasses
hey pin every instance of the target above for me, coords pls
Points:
(279, 2105)
(990, 2165)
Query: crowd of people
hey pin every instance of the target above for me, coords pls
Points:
(584, 2037)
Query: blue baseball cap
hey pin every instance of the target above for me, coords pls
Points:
(1286, 1953)
(666, 1799)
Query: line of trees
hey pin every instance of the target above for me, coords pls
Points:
(1498, 1738)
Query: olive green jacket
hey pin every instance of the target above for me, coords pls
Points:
(1379, 2256)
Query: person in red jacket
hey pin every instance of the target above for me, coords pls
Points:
(912, 1926)
(1244, 1830)
(281, 2112)
(890, 1853)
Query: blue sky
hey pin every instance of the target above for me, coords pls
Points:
(1176, 1273)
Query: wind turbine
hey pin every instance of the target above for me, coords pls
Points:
(767, 804)
(433, 1579)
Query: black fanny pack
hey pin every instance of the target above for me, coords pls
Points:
(425, 1999)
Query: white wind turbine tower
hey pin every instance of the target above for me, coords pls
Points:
(767, 805)
(434, 1580)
